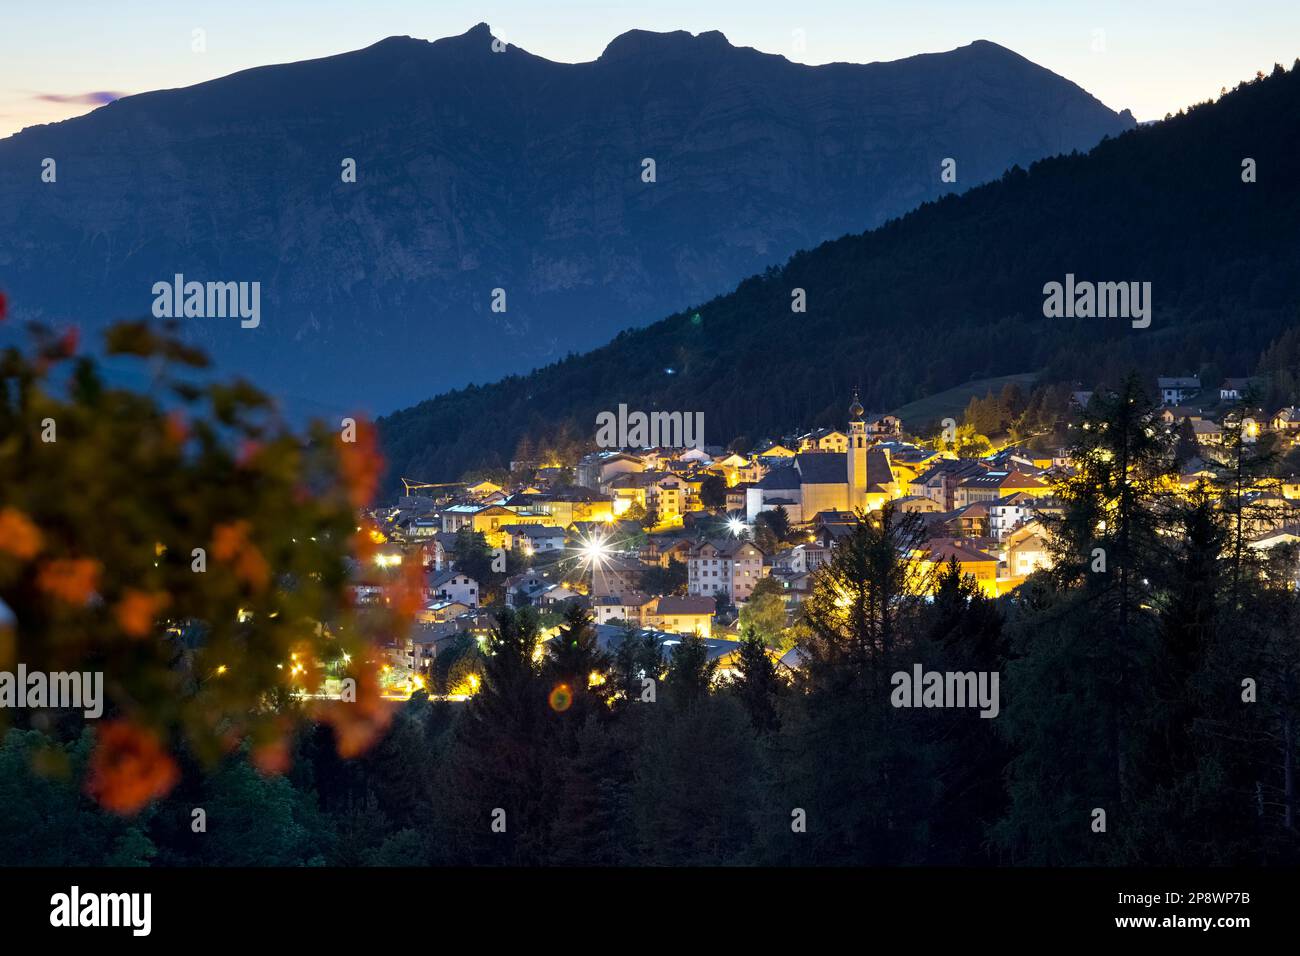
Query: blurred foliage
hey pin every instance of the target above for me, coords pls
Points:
(188, 544)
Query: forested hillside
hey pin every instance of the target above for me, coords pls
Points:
(950, 292)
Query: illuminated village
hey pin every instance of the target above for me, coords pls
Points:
(708, 541)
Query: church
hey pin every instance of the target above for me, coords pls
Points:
(859, 478)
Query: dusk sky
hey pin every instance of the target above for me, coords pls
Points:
(61, 60)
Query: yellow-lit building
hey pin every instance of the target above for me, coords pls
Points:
(737, 469)
(981, 566)
(825, 439)
(992, 485)
(682, 615)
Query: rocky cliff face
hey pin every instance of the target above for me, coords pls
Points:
(480, 170)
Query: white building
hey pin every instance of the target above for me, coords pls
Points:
(455, 586)
(730, 567)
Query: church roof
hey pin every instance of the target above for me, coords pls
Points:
(831, 468)
(782, 478)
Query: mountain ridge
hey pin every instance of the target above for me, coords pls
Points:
(478, 171)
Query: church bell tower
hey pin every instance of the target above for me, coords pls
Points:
(856, 458)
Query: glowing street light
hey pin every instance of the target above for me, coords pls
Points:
(595, 551)
(736, 526)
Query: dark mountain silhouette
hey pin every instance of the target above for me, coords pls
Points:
(479, 170)
(950, 293)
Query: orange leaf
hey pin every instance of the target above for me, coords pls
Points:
(129, 768)
(71, 580)
(18, 536)
(137, 610)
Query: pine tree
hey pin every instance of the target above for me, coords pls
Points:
(575, 660)
(639, 656)
(499, 758)
(1082, 643)
(872, 581)
(756, 683)
(1248, 455)
(690, 671)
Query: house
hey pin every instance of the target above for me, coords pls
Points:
(972, 521)
(1286, 420)
(435, 551)
(561, 507)
(939, 483)
(1011, 459)
(663, 551)
(455, 586)
(525, 587)
(737, 469)
(730, 567)
(1177, 413)
(1208, 433)
(1026, 550)
(1267, 511)
(489, 520)
(615, 574)
(983, 567)
(1008, 513)
(557, 594)
(824, 439)
(632, 488)
(440, 611)
(691, 485)
(630, 607)
(533, 539)
(1271, 539)
(482, 489)
(801, 559)
(1175, 389)
(609, 637)
(793, 509)
(459, 516)
(737, 495)
(594, 471)
(773, 450)
(682, 615)
(1233, 389)
(885, 426)
(992, 485)
(415, 526)
(829, 527)
(667, 498)
(917, 503)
